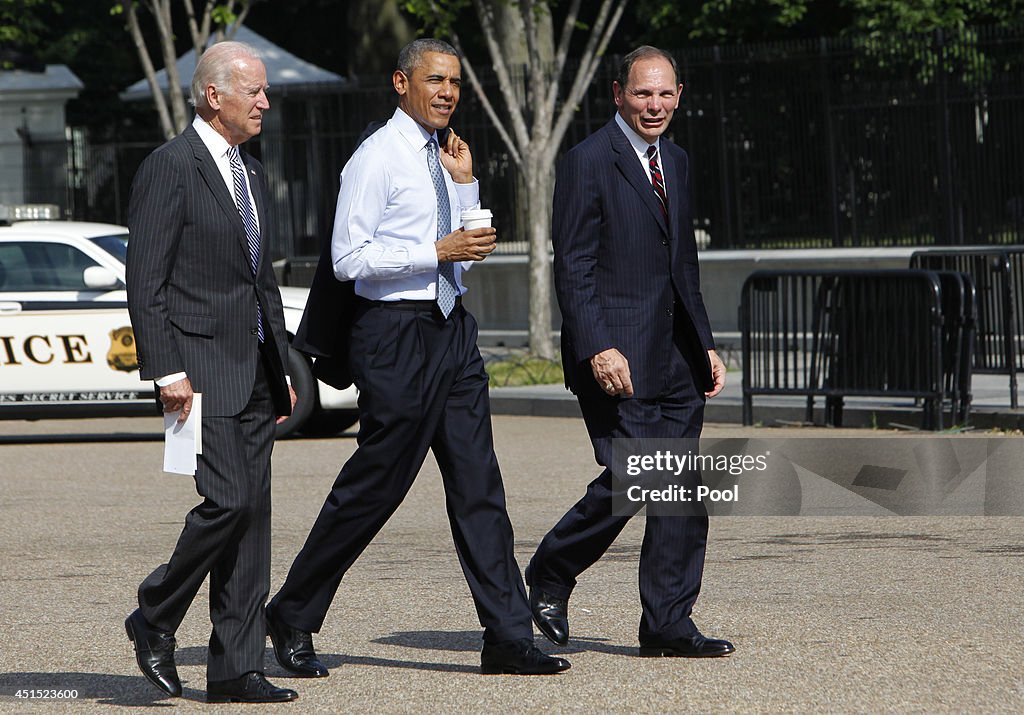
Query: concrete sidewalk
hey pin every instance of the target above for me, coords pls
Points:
(852, 614)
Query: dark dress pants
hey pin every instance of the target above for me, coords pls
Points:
(672, 554)
(227, 537)
(422, 386)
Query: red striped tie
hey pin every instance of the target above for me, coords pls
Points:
(657, 180)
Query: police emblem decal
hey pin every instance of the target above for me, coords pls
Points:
(122, 350)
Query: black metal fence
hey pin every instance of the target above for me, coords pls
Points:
(998, 275)
(822, 143)
(838, 334)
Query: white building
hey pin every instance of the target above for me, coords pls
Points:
(33, 146)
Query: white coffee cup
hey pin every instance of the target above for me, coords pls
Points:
(476, 218)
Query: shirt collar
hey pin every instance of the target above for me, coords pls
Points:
(636, 141)
(217, 144)
(409, 128)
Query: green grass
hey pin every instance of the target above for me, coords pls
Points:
(525, 370)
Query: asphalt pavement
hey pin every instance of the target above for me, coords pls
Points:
(828, 614)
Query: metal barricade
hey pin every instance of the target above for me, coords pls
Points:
(959, 318)
(841, 334)
(998, 275)
(781, 335)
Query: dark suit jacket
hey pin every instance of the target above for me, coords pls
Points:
(191, 292)
(623, 278)
(326, 323)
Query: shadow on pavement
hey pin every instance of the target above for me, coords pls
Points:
(463, 641)
(104, 688)
(196, 655)
(337, 661)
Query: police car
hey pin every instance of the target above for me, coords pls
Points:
(66, 344)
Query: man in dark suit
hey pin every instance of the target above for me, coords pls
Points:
(412, 353)
(636, 348)
(207, 318)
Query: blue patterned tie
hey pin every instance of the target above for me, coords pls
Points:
(252, 231)
(447, 291)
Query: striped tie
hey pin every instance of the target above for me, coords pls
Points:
(252, 231)
(657, 180)
(447, 291)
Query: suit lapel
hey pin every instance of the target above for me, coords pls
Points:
(628, 163)
(215, 182)
(675, 188)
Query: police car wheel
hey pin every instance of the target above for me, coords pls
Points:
(304, 385)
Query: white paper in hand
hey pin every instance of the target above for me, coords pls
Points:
(182, 439)
(197, 413)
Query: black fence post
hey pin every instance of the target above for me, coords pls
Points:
(946, 194)
(830, 141)
(723, 151)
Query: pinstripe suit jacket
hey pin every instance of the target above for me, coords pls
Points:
(191, 292)
(621, 273)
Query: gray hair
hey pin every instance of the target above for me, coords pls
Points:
(644, 52)
(216, 67)
(412, 54)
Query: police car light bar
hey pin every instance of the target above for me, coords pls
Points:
(29, 212)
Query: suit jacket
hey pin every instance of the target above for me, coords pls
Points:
(191, 291)
(326, 323)
(624, 279)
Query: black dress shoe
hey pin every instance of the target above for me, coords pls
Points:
(686, 647)
(551, 615)
(519, 657)
(294, 648)
(154, 652)
(250, 688)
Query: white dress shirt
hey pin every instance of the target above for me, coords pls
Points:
(385, 225)
(218, 147)
(640, 146)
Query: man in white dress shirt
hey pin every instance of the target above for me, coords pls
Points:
(422, 385)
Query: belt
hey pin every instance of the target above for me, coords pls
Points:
(422, 306)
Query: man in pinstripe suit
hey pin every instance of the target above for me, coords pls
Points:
(207, 318)
(636, 347)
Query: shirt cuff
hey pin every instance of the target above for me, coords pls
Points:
(170, 379)
(423, 258)
(469, 195)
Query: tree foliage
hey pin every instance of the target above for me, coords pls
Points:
(221, 19)
(23, 29)
(880, 18)
(676, 24)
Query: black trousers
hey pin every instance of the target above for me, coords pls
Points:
(672, 554)
(422, 386)
(226, 536)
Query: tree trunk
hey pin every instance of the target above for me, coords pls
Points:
(533, 210)
(528, 64)
(539, 188)
(134, 29)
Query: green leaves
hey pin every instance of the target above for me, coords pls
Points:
(438, 16)
(223, 16)
(23, 27)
